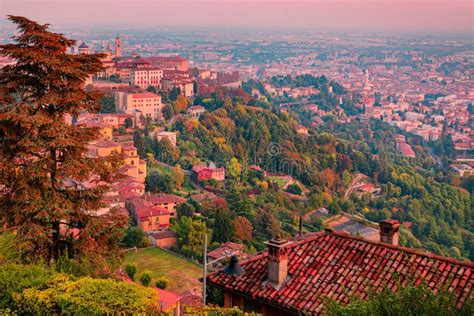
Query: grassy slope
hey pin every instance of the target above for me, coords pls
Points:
(182, 275)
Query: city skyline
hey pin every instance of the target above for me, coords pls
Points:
(414, 17)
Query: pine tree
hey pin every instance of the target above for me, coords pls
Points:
(43, 158)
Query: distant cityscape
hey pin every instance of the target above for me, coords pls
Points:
(246, 138)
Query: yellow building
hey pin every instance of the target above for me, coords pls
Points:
(133, 166)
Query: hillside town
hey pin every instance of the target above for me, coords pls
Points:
(238, 172)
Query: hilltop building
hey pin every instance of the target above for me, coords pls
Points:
(170, 136)
(170, 63)
(133, 167)
(146, 103)
(202, 172)
(145, 77)
(195, 111)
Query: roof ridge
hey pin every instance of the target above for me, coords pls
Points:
(404, 249)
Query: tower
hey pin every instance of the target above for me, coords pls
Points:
(118, 47)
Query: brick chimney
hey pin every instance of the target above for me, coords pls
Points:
(277, 261)
(389, 231)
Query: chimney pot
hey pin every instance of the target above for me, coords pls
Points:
(277, 261)
(389, 231)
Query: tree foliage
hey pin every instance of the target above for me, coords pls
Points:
(407, 300)
(190, 234)
(223, 229)
(107, 104)
(158, 181)
(41, 152)
(135, 237)
(233, 168)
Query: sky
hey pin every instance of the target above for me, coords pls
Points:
(399, 16)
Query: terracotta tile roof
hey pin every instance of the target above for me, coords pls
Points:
(128, 147)
(166, 58)
(143, 95)
(105, 143)
(199, 168)
(204, 197)
(146, 211)
(228, 247)
(167, 299)
(336, 265)
(162, 234)
(159, 198)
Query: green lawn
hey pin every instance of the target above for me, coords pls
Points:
(281, 182)
(183, 275)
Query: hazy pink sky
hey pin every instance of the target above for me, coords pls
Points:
(436, 16)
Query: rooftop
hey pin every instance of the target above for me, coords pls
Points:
(105, 143)
(339, 266)
(142, 95)
(158, 198)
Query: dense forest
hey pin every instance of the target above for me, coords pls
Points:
(412, 190)
(324, 162)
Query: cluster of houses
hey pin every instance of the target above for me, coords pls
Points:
(402, 146)
(160, 72)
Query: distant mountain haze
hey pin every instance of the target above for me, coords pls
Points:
(405, 16)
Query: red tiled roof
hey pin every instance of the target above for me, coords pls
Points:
(105, 143)
(167, 299)
(144, 95)
(166, 58)
(338, 266)
(145, 212)
(225, 248)
(203, 197)
(199, 168)
(162, 234)
(159, 198)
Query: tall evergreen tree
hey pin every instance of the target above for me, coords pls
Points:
(223, 229)
(42, 155)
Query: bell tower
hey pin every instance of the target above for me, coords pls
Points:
(118, 47)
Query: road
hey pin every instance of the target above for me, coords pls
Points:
(354, 183)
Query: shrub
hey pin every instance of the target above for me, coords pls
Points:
(8, 248)
(131, 270)
(36, 290)
(215, 310)
(88, 296)
(15, 278)
(294, 188)
(162, 282)
(145, 278)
